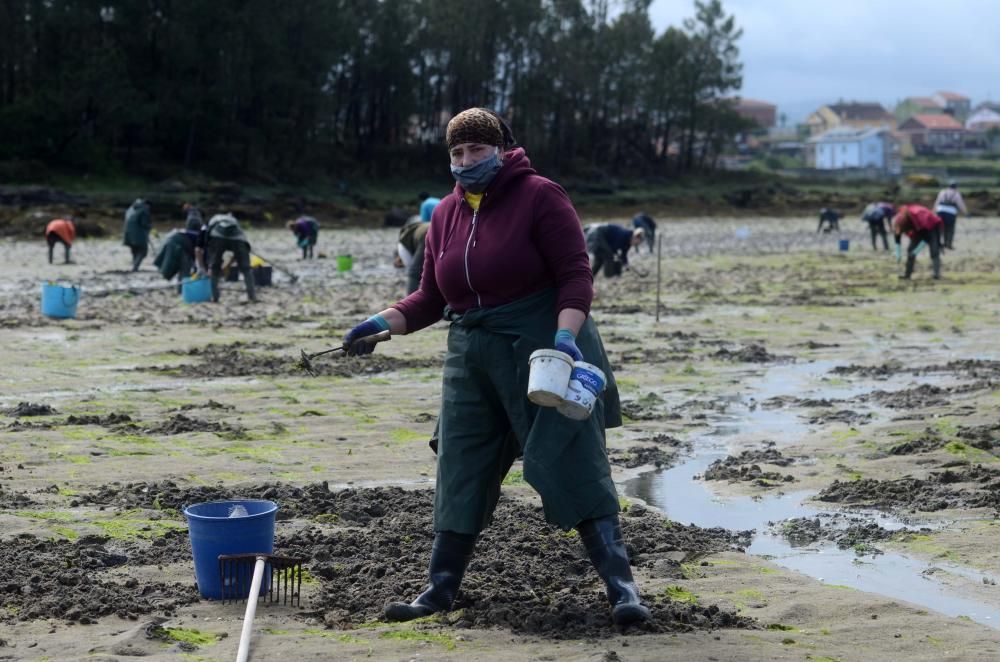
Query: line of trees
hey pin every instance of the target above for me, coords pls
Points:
(364, 86)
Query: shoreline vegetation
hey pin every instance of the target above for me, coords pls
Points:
(99, 202)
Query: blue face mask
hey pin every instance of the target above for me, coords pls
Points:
(476, 177)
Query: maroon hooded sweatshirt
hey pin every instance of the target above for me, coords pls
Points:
(525, 237)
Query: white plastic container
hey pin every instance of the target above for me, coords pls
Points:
(549, 376)
(586, 383)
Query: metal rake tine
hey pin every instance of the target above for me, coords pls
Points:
(298, 592)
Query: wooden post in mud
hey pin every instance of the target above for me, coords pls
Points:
(659, 251)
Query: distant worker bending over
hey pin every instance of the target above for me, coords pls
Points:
(609, 244)
(876, 215)
(306, 231)
(830, 218)
(923, 228)
(60, 231)
(223, 234)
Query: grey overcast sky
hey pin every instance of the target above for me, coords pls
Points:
(799, 54)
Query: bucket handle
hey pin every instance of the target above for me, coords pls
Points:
(72, 301)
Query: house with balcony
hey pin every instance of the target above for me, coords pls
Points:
(932, 134)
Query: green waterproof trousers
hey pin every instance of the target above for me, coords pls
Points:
(487, 421)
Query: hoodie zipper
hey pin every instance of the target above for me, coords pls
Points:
(470, 243)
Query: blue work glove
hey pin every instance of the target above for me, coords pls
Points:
(916, 251)
(371, 326)
(899, 252)
(566, 342)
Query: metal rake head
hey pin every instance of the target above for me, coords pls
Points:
(282, 581)
(305, 363)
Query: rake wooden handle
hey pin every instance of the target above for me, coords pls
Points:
(258, 576)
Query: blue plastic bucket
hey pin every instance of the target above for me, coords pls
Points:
(196, 290)
(59, 300)
(845, 244)
(214, 532)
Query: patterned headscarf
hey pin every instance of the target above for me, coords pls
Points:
(476, 125)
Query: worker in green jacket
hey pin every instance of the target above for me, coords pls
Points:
(138, 224)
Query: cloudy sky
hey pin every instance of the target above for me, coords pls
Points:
(803, 53)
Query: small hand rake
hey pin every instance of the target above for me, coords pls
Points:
(241, 576)
(305, 360)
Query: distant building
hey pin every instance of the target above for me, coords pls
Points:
(850, 147)
(933, 133)
(763, 113)
(911, 106)
(986, 116)
(954, 104)
(859, 115)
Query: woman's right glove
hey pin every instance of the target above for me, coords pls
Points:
(371, 326)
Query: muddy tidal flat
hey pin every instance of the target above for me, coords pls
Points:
(808, 469)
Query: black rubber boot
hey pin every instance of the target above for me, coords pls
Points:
(449, 558)
(606, 548)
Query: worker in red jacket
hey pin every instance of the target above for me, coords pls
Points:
(923, 227)
(60, 231)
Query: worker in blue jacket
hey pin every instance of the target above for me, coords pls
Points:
(609, 244)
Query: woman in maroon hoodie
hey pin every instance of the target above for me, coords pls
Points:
(506, 264)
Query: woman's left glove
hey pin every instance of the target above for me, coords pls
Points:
(371, 326)
(566, 342)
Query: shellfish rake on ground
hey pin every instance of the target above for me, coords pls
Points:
(236, 574)
(241, 576)
(305, 360)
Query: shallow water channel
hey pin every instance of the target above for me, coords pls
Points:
(687, 500)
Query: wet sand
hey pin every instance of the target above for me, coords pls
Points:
(805, 369)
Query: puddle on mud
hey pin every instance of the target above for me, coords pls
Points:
(688, 501)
